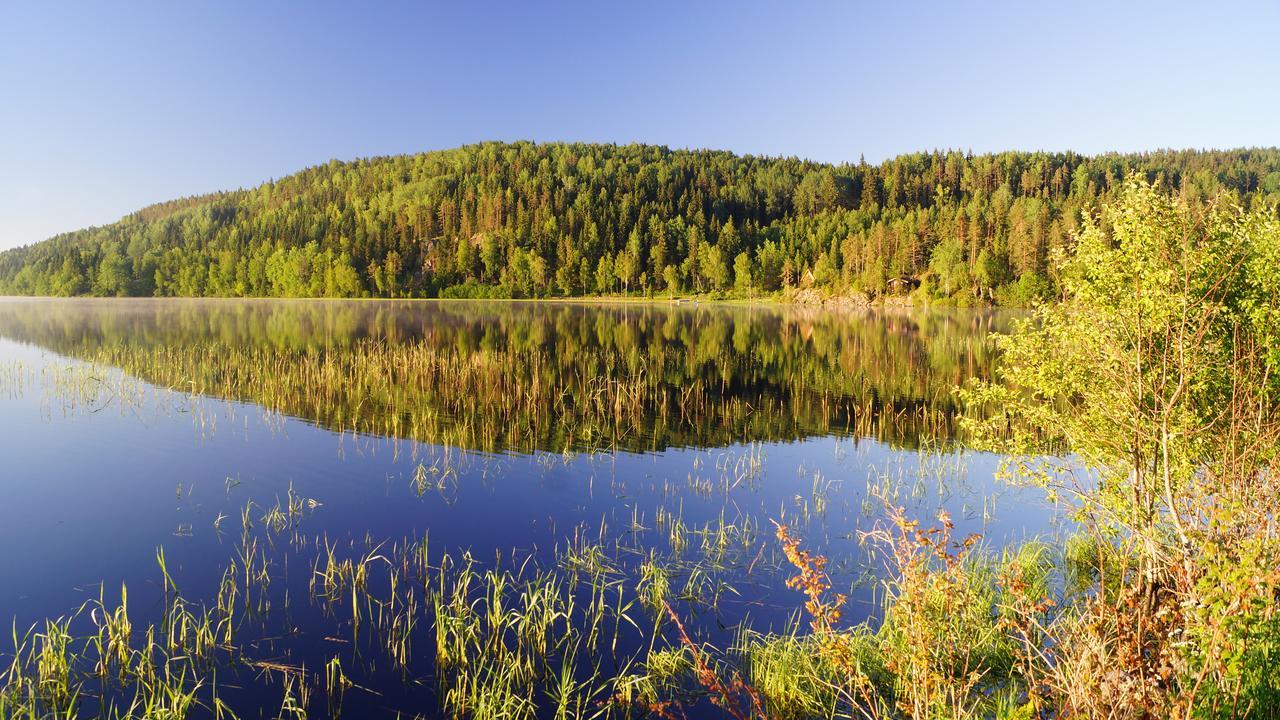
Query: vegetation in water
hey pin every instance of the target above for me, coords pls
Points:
(512, 637)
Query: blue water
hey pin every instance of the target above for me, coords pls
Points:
(90, 490)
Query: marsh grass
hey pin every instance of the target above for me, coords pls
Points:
(585, 633)
(792, 672)
(952, 642)
(54, 673)
(594, 630)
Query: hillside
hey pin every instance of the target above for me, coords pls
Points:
(524, 219)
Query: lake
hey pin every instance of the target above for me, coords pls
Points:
(381, 507)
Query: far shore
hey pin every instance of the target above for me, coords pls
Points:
(775, 300)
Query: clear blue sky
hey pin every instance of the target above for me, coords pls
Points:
(106, 107)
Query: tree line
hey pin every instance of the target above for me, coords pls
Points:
(541, 220)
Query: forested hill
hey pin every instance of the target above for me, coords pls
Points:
(526, 219)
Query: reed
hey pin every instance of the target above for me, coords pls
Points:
(114, 635)
(578, 630)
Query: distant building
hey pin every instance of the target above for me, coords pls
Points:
(902, 285)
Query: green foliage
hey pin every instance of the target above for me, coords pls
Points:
(795, 675)
(1154, 385)
(957, 625)
(571, 219)
(1132, 368)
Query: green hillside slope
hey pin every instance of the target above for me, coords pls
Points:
(524, 219)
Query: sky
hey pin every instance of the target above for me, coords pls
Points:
(108, 107)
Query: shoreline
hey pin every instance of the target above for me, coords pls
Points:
(811, 301)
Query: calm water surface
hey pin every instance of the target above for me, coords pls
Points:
(514, 432)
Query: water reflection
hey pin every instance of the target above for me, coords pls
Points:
(538, 376)
(473, 435)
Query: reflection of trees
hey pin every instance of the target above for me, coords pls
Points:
(526, 376)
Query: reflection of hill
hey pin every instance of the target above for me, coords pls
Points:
(525, 376)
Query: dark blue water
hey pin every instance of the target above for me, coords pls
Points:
(93, 483)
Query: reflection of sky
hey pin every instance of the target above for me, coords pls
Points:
(90, 490)
(88, 495)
